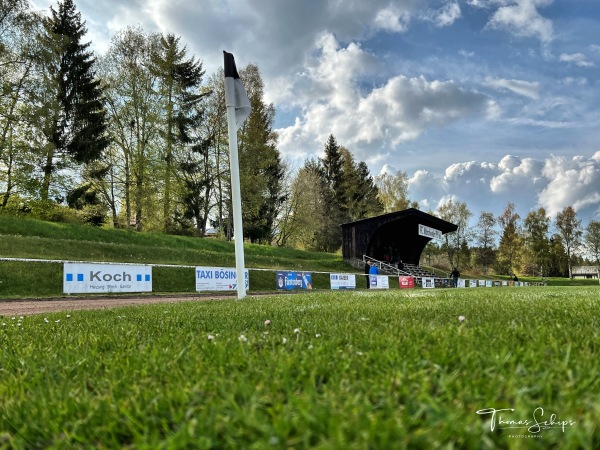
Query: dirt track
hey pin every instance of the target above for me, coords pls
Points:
(38, 306)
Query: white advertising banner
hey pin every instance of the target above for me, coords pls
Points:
(342, 280)
(428, 283)
(379, 281)
(86, 278)
(461, 283)
(218, 279)
(429, 232)
(472, 283)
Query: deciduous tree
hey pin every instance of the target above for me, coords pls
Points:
(455, 243)
(510, 240)
(592, 242)
(536, 227)
(569, 229)
(485, 236)
(393, 191)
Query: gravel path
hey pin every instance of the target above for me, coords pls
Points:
(38, 306)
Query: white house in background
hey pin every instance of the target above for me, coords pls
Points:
(585, 272)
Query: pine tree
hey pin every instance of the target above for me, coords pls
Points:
(261, 167)
(333, 174)
(73, 105)
(180, 79)
(359, 190)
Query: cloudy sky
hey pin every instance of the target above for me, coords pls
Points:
(482, 101)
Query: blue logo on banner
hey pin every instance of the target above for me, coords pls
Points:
(293, 280)
(69, 277)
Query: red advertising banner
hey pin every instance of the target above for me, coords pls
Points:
(406, 282)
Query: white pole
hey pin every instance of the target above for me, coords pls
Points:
(238, 104)
(236, 198)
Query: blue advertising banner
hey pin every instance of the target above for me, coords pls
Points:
(293, 280)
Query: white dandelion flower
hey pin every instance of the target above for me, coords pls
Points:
(318, 335)
(461, 318)
(297, 330)
(243, 338)
(211, 337)
(46, 320)
(284, 340)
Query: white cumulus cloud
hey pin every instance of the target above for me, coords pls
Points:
(366, 120)
(522, 18)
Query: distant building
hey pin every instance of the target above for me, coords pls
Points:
(400, 235)
(584, 271)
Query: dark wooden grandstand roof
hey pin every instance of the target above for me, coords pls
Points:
(394, 235)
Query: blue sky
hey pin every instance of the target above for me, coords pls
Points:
(480, 101)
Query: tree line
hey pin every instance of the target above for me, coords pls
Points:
(537, 245)
(135, 137)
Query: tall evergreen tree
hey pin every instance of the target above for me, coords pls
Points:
(261, 167)
(72, 103)
(180, 79)
(360, 193)
(332, 165)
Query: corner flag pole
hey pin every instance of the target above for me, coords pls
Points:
(238, 109)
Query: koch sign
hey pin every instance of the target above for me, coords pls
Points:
(429, 232)
(293, 280)
(342, 280)
(218, 279)
(93, 278)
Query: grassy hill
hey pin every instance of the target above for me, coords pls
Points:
(26, 238)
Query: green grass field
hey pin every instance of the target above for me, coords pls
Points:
(343, 370)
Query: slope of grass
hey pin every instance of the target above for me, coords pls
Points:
(344, 370)
(26, 238)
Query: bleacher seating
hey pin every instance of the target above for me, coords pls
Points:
(408, 269)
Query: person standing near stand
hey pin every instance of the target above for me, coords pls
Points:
(374, 270)
(367, 269)
(455, 274)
